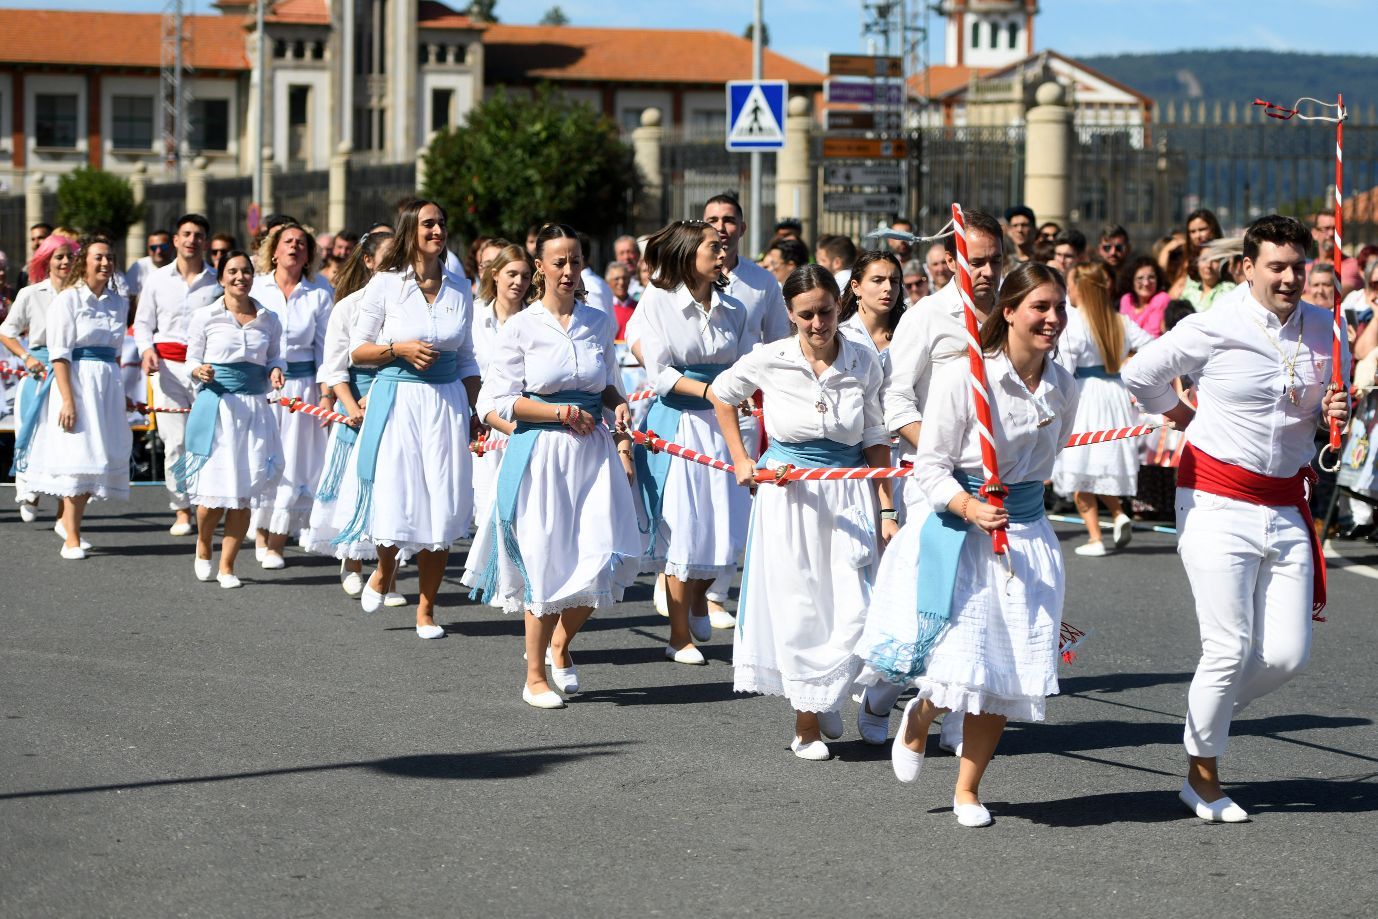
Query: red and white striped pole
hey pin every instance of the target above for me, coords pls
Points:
(1338, 373)
(993, 490)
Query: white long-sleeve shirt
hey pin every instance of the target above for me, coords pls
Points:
(216, 337)
(486, 329)
(847, 390)
(950, 440)
(335, 367)
(535, 354)
(165, 305)
(28, 316)
(674, 331)
(929, 335)
(304, 315)
(78, 318)
(1077, 346)
(597, 292)
(856, 330)
(757, 290)
(1244, 415)
(393, 309)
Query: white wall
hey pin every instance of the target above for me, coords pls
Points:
(462, 82)
(284, 77)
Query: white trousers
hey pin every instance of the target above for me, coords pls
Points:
(172, 389)
(1250, 572)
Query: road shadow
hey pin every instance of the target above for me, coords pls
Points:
(673, 694)
(1118, 682)
(1021, 739)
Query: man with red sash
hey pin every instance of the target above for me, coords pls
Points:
(1262, 362)
(160, 334)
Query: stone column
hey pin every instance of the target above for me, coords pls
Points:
(338, 218)
(646, 143)
(196, 186)
(33, 202)
(1048, 154)
(796, 177)
(421, 169)
(270, 170)
(136, 237)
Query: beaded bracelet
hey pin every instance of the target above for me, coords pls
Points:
(963, 511)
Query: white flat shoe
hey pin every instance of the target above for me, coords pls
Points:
(393, 598)
(1091, 550)
(815, 750)
(28, 511)
(71, 553)
(260, 552)
(181, 528)
(721, 619)
(971, 814)
(547, 699)
(686, 655)
(61, 530)
(700, 628)
(1222, 810)
(950, 734)
(1123, 529)
(272, 561)
(830, 724)
(202, 567)
(659, 599)
(904, 761)
(566, 679)
(351, 581)
(370, 599)
(228, 581)
(430, 631)
(874, 729)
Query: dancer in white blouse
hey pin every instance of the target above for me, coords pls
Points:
(49, 271)
(687, 331)
(350, 382)
(77, 446)
(1262, 365)
(977, 634)
(1098, 341)
(232, 457)
(563, 518)
(812, 547)
(302, 304)
(413, 492)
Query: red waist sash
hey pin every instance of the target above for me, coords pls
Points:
(1204, 472)
(171, 350)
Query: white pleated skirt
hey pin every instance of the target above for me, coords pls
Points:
(423, 488)
(811, 557)
(998, 655)
(318, 536)
(303, 456)
(704, 512)
(576, 526)
(485, 480)
(93, 458)
(246, 462)
(1110, 468)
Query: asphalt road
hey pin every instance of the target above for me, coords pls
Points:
(171, 749)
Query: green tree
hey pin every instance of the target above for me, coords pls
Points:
(765, 33)
(482, 10)
(92, 199)
(555, 17)
(521, 161)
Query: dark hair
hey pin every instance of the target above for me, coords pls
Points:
(1176, 311)
(838, 247)
(471, 256)
(347, 236)
(78, 273)
(232, 254)
(726, 198)
(981, 222)
(894, 224)
(1026, 278)
(1019, 210)
(545, 234)
(851, 303)
(1111, 230)
(1193, 251)
(791, 250)
(225, 238)
(153, 233)
(197, 219)
(1057, 227)
(1131, 268)
(806, 278)
(672, 251)
(1071, 237)
(1044, 250)
(789, 223)
(585, 245)
(1278, 230)
(534, 229)
(45, 227)
(403, 253)
(354, 272)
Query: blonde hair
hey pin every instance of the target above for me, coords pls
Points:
(1096, 303)
(488, 284)
(270, 244)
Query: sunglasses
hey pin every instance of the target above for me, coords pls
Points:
(160, 247)
(1112, 247)
(913, 285)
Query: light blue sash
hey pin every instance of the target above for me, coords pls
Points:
(813, 454)
(515, 459)
(940, 553)
(37, 398)
(382, 395)
(663, 418)
(360, 381)
(301, 370)
(1095, 372)
(240, 377)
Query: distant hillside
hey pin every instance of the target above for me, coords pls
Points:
(1240, 76)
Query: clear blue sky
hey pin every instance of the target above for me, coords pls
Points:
(808, 29)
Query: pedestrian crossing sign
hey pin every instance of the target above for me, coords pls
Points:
(756, 114)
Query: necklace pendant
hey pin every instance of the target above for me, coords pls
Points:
(821, 407)
(1292, 395)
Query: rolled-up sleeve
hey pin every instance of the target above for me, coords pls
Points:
(62, 325)
(503, 384)
(1149, 376)
(17, 322)
(738, 382)
(368, 322)
(909, 356)
(874, 433)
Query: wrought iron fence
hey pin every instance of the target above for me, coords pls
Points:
(694, 168)
(227, 206)
(163, 204)
(375, 191)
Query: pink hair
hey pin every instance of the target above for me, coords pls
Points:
(38, 265)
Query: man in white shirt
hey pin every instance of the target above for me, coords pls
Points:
(626, 251)
(160, 253)
(936, 263)
(597, 293)
(1262, 362)
(929, 335)
(837, 253)
(160, 333)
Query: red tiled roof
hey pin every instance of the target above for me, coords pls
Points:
(299, 12)
(87, 39)
(943, 78)
(433, 15)
(515, 54)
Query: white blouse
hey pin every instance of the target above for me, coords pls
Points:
(1077, 346)
(856, 330)
(394, 309)
(486, 328)
(28, 316)
(165, 302)
(949, 439)
(849, 391)
(80, 319)
(304, 315)
(335, 367)
(216, 337)
(757, 290)
(536, 354)
(930, 334)
(675, 331)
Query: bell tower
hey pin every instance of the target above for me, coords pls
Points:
(989, 33)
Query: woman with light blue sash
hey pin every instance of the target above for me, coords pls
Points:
(302, 303)
(687, 330)
(78, 446)
(563, 524)
(232, 455)
(975, 633)
(411, 493)
(812, 547)
(49, 271)
(1097, 343)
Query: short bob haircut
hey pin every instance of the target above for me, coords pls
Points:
(672, 252)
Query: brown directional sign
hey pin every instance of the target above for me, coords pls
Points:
(864, 148)
(836, 120)
(861, 65)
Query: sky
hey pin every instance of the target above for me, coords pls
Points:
(807, 30)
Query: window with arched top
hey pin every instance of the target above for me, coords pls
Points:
(1014, 35)
(975, 34)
